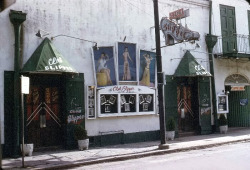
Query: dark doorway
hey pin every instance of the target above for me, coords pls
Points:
(44, 112)
(188, 104)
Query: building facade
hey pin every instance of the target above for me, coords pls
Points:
(94, 64)
(230, 23)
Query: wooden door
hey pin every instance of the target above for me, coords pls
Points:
(44, 116)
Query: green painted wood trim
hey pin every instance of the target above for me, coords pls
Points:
(8, 113)
(120, 138)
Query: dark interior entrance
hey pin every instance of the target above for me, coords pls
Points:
(188, 104)
(44, 111)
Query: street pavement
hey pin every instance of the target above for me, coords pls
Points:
(63, 159)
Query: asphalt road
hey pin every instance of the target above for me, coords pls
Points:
(226, 157)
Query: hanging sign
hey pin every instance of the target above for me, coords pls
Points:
(179, 14)
(237, 88)
(176, 32)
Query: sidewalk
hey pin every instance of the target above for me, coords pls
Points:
(66, 158)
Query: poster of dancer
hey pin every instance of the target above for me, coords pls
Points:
(104, 64)
(127, 61)
(147, 68)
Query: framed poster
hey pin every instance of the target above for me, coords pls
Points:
(104, 65)
(128, 103)
(91, 104)
(108, 103)
(127, 62)
(147, 68)
(222, 103)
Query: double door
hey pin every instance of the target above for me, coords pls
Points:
(188, 107)
(43, 116)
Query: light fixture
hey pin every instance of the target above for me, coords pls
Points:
(95, 47)
(197, 45)
(40, 34)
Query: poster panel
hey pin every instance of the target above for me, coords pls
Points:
(127, 61)
(147, 68)
(104, 64)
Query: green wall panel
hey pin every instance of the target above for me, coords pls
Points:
(74, 107)
(8, 112)
(121, 138)
(170, 93)
(205, 105)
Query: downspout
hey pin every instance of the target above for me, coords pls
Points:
(16, 18)
(211, 40)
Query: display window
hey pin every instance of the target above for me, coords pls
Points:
(125, 100)
(125, 82)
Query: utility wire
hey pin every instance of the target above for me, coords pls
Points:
(131, 4)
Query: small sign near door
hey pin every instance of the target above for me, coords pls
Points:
(25, 85)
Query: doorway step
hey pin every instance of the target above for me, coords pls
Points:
(184, 134)
(49, 148)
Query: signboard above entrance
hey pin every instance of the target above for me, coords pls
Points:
(46, 58)
(189, 67)
(176, 32)
(237, 88)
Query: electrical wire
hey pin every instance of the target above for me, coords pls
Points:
(131, 4)
(187, 2)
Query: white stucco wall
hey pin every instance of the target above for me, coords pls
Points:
(105, 22)
(225, 67)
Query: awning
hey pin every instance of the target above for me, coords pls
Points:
(189, 67)
(46, 59)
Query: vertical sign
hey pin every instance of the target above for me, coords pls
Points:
(25, 85)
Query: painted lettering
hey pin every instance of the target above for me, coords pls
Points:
(58, 67)
(54, 60)
(123, 89)
(174, 31)
(75, 119)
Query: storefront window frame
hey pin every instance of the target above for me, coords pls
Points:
(142, 90)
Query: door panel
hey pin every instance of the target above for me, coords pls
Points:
(228, 29)
(239, 114)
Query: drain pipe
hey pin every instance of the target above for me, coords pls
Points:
(16, 18)
(211, 40)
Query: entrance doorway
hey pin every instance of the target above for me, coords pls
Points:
(188, 104)
(44, 112)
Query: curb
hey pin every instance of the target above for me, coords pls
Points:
(140, 155)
